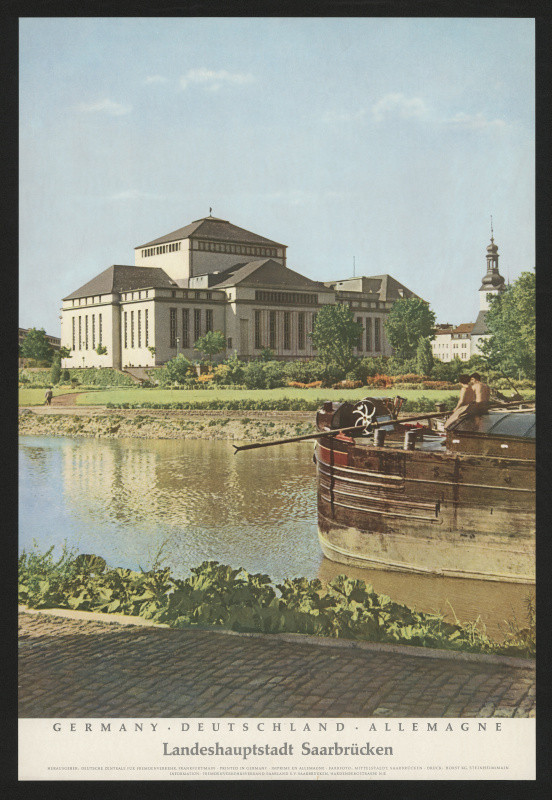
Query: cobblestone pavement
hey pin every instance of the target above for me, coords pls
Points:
(83, 668)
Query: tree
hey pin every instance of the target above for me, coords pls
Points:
(424, 356)
(101, 350)
(335, 335)
(64, 352)
(410, 320)
(35, 345)
(511, 322)
(55, 370)
(212, 343)
(178, 370)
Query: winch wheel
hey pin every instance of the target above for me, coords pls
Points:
(364, 411)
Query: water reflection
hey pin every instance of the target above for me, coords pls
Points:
(459, 598)
(133, 501)
(126, 499)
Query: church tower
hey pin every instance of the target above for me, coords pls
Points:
(493, 282)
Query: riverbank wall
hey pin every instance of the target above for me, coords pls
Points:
(163, 424)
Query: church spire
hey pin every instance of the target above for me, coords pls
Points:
(492, 282)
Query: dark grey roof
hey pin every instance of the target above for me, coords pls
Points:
(267, 273)
(123, 278)
(216, 229)
(383, 285)
(500, 423)
(480, 326)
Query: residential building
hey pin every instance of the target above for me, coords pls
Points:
(463, 340)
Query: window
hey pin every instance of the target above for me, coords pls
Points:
(74, 338)
(99, 328)
(377, 334)
(185, 327)
(287, 330)
(86, 332)
(172, 327)
(208, 320)
(146, 330)
(272, 330)
(126, 329)
(197, 324)
(301, 330)
(229, 342)
(132, 328)
(360, 337)
(368, 333)
(258, 344)
(139, 329)
(93, 331)
(286, 298)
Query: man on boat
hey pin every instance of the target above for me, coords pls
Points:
(482, 393)
(467, 394)
(466, 399)
(474, 398)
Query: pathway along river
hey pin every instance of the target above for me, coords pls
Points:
(138, 502)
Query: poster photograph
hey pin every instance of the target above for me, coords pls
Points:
(276, 399)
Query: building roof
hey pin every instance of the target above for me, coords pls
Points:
(465, 327)
(216, 229)
(499, 423)
(383, 285)
(123, 278)
(267, 273)
(480, 326)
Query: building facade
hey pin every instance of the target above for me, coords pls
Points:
(463, 340)
(212, 275)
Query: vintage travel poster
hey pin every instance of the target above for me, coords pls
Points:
(276, 398)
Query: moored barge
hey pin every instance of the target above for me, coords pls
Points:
(402, 497)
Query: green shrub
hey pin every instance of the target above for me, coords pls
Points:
(216, 595)
(253, 375)
(178, 370)
(274, 375)
(105, 377)
(55, 370)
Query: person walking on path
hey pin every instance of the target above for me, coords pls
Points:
(48, 396)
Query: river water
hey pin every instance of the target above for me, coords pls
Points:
(176, 503)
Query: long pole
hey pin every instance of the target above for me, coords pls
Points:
(382, 424)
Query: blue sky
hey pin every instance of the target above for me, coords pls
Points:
(390, 141)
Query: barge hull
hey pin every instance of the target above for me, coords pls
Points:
(435, 513)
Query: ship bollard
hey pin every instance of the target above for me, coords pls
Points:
(379, 437)
(410, 440)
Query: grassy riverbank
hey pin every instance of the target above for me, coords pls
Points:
(160, 424)
(219, 596)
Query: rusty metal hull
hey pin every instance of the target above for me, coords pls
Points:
(442, 513)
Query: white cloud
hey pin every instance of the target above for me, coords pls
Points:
(396, 104)
(474, 122)
(156, 79)
(214, 79)
(105, 106)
